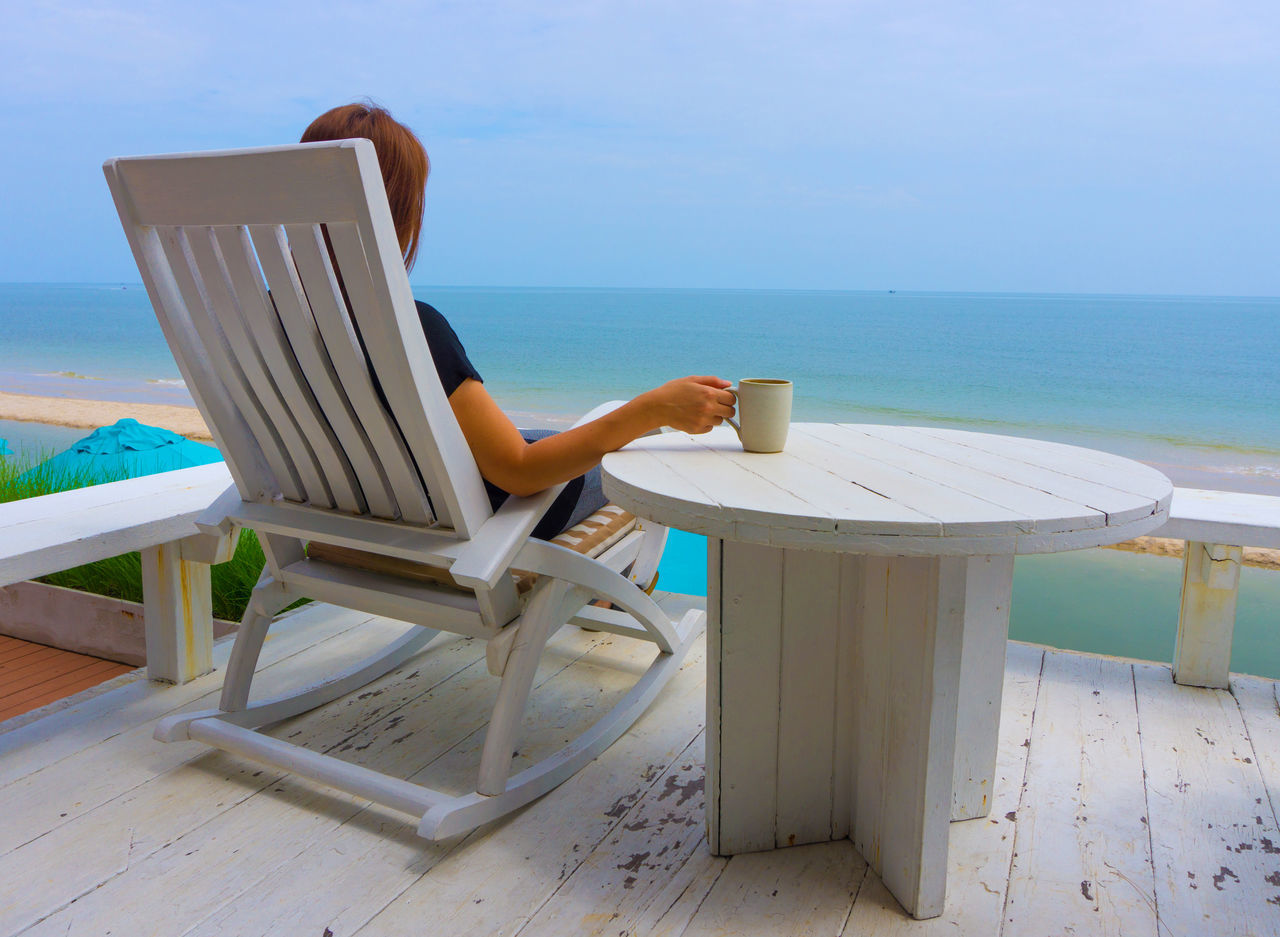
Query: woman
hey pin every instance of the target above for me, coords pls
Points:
(510, 462)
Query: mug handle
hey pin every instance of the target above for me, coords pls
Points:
(730, 420)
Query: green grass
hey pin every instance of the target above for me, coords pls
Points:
(120, 577)
(25, 476)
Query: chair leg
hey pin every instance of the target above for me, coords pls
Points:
(543, 615)
(460, 814)
(645, 568)
(267, 599)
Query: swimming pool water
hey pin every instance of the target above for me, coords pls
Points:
(1097, 601)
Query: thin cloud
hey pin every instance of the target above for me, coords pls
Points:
(695, 132)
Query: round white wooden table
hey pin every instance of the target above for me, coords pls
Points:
(858, 597)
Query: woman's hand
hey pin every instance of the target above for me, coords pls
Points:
(691, 404)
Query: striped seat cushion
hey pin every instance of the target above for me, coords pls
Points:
(592, 537)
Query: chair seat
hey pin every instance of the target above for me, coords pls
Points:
(592, 537)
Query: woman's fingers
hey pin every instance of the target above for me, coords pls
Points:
(696, 404)
(710, 380)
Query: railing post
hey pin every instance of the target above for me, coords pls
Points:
(1210, 580)
(178, 606)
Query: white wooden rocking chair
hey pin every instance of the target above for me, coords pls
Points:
(278, 281)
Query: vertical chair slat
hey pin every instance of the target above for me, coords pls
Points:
(244, 458)
(226, 306)
(396, 480)
(354, 264)
(214, 349)
(304, 337)
(264, 322)
(393, 339)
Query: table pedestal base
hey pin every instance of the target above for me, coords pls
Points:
(853, 696)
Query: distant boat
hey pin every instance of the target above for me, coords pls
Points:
(893, 291)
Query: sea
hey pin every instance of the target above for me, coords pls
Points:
(1188, 384)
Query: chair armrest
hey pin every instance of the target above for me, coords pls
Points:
(486, 557)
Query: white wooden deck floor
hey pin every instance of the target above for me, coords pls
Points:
(1125, 805)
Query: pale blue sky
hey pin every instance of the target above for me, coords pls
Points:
(1058, 147)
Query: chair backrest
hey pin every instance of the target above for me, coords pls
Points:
(278, 281)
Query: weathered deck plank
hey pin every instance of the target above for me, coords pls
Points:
(374, 873)
(275, 820)
(799, 891)
(39, 744)
(1213, 833)
(250, 851)
(42, 802)
(1082, 856)
(500, 878)
(621, 885)
(1260, 709)
(115, 806)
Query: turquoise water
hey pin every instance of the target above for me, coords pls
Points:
(1189, 384)
(1100, 601)
(97, 330)
(35, 442)
(1187, 380)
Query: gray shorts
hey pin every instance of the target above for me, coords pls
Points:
(585, 500)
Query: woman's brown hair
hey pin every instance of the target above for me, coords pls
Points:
(401, 156)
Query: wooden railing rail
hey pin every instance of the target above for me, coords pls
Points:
(154, 514)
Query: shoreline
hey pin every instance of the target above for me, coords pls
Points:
(89, 387)
(176, 412)
(81, 413)
(185, 420)
(87, 414)
(1260, 557)
(69, 400)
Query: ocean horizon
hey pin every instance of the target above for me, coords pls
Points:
(1186, 383)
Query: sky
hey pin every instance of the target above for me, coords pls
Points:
(1098, 147)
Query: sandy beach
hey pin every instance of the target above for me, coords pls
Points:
(1260, 557)
(90, 414)
(82, 413)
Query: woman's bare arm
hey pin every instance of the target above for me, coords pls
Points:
(692, 404)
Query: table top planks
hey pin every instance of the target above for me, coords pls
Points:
(890, 490)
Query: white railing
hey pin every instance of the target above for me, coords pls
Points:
(156, 514)
(1216, 526)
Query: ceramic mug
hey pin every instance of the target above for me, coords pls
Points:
(764, 414)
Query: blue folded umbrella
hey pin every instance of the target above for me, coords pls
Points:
(5, 451)
(127, 449)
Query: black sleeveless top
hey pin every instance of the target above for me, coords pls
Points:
(454, 367)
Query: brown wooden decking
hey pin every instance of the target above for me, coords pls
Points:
(33, 675)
